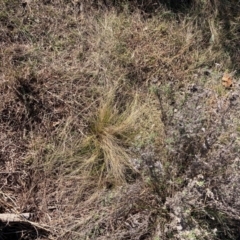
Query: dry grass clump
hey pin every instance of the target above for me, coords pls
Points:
(102, 154)
(110, 132)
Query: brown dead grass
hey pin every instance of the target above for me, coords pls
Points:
(89, 158)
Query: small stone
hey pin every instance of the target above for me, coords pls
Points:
(179, 228)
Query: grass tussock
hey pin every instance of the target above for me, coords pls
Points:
(103, 153)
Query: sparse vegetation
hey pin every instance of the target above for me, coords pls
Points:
(114, 120)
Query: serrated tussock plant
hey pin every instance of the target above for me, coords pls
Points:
(103, 153)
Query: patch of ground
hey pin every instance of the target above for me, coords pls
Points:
(115, 122)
